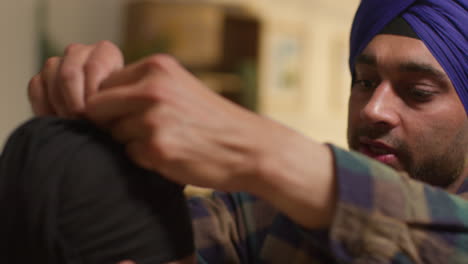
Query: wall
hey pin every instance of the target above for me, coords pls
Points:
(84, 21)
(17, 61)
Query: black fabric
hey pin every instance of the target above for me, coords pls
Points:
(400, 27)
(68, 194)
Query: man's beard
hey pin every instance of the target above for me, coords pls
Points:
(437, 169)
(441, 171)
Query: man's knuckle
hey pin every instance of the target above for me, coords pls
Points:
(106, 44)
(68, 73)
(152, 63)
(34, 84)
(33, 93)
(160, 62)
(151, 91)
(112, 53)
(73, 48)
(93, 66)
(166, 58)
(51, 62)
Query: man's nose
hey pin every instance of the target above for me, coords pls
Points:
(383, 106)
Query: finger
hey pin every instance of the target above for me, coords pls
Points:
(37, 95)
(108, 106)
(105, 59)
(136, 71)
(72, 78)
(49, 75)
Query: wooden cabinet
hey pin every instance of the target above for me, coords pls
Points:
(218, 43)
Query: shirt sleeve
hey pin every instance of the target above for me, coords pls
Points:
(230, 228)
(383, 216)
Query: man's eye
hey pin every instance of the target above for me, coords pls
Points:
(421, 95)
(364, 84)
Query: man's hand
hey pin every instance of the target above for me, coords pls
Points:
(64, 83)
(170, 122)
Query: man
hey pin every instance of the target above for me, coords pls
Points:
(316, 203)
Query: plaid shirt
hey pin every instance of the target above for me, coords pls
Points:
(382, 217)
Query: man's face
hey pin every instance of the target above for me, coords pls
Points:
(404, 111)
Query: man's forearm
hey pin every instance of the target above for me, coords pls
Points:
(296, 175)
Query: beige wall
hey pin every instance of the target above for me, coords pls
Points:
(84, 21)
(17, 61)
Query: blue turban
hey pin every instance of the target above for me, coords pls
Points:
(441, 24)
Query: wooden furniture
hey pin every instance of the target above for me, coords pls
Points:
(218, 43)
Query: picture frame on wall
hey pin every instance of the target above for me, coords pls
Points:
(284, 67)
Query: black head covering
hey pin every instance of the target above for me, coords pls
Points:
(69, 195)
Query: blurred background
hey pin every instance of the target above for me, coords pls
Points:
(285, 59)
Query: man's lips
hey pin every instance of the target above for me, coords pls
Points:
(378, 150)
